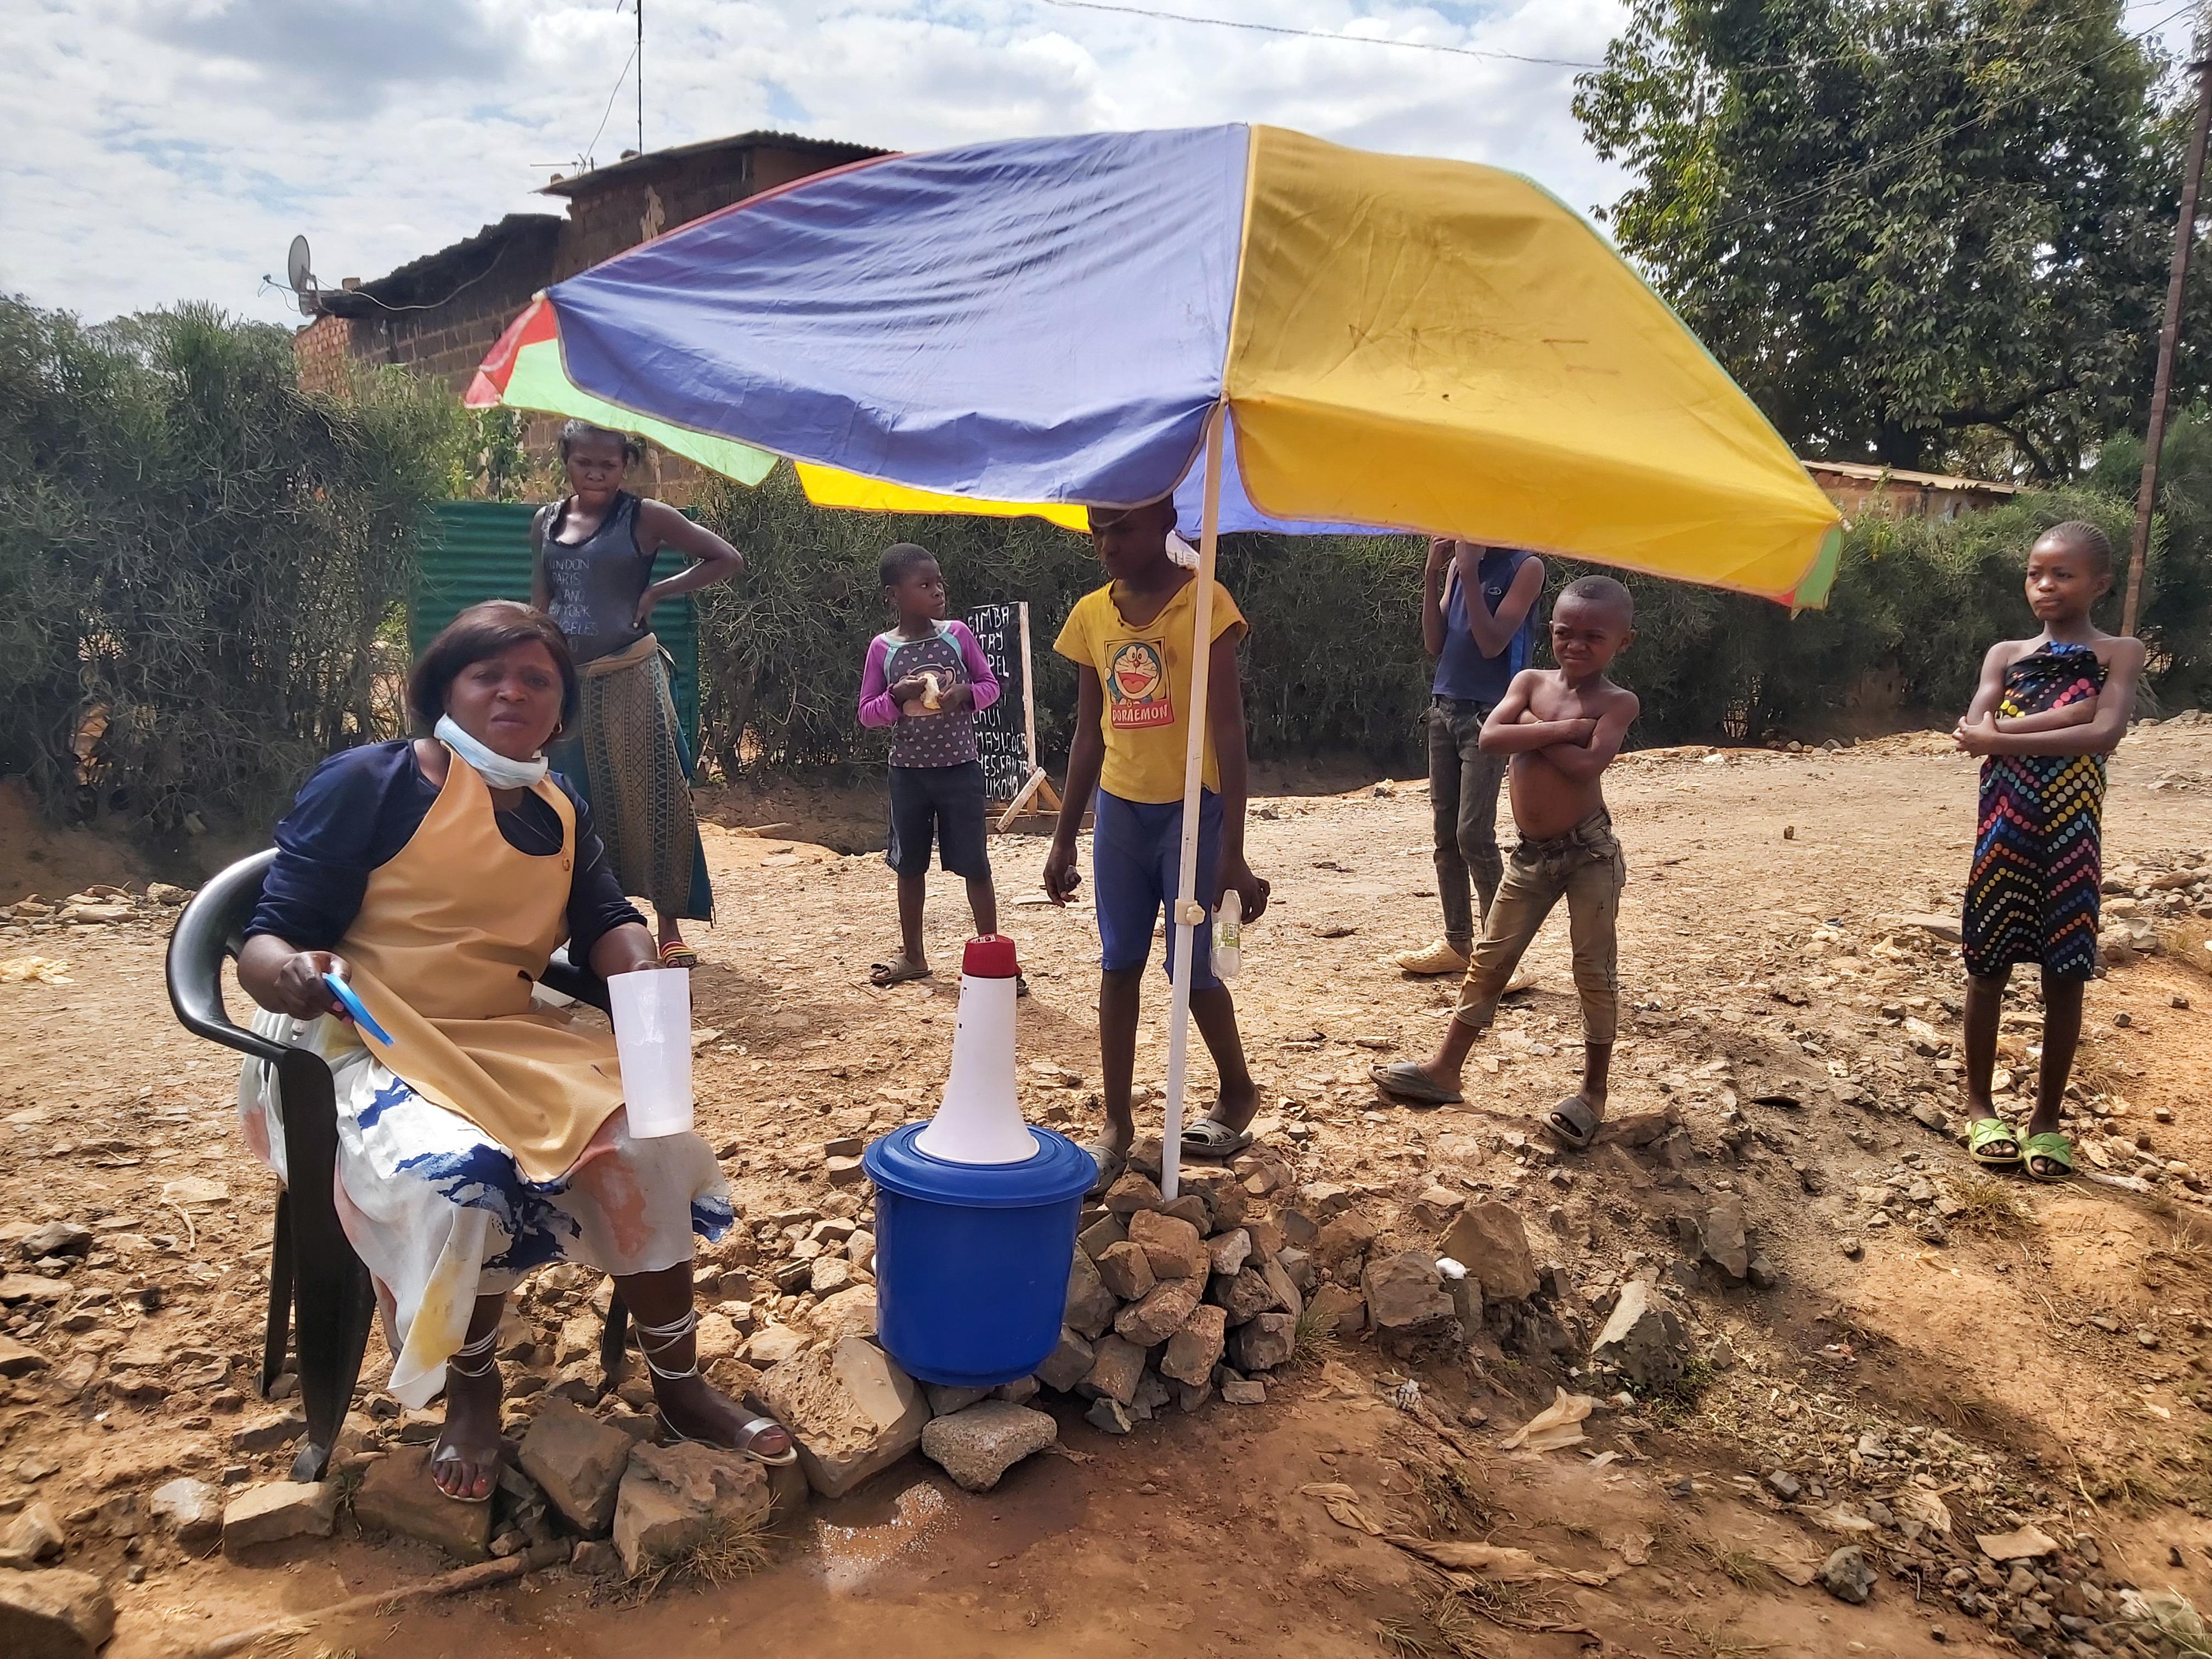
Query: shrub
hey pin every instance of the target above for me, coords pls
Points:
(196, 560)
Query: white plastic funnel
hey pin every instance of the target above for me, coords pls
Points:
(980, 1119)
(652, 1010)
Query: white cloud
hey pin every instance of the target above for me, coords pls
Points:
(168, 149)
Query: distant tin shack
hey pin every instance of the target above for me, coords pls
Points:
(1859, 489)
(440, 315)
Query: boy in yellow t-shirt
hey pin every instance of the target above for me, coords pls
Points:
(1132, 642)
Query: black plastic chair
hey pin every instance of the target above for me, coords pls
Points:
(318, 1287)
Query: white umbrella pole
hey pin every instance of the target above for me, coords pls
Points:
(1189, 914)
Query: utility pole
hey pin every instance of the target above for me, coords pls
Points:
(2184, 234)
(640, 90)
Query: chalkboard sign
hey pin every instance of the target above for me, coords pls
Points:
(1005, 733)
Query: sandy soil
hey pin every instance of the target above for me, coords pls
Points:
(1761, 946)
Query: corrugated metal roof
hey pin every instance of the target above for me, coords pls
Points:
(588, 183)
(480, 550)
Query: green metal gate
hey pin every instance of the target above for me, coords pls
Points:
(480, 550)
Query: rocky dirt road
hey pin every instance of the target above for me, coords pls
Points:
(1838, 1335)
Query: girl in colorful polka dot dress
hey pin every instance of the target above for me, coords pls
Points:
(2047, 712)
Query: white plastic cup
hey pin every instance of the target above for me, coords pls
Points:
(652, 1010)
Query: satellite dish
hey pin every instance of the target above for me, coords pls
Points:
(300, 275)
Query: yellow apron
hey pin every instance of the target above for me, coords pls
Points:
(452, 932)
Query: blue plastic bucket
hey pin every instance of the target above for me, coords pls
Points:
(972, 1259)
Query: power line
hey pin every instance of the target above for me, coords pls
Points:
(612, 96)
(1324, 34)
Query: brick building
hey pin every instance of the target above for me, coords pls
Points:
(440, 315)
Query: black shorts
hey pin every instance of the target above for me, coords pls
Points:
(945, 800)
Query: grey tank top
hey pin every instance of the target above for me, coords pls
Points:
(596, 583)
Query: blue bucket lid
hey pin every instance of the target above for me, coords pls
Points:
(1059, 1171)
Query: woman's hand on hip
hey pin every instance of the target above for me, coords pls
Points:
(641, 618)
(299, 990)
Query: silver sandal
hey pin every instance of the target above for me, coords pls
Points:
(654, 1340)
(479, 1350)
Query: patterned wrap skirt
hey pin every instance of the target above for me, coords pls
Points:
(441, 1215)
(2039, 845)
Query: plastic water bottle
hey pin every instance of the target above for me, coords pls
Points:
(1229, 936)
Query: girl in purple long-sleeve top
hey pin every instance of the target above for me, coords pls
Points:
(925, 680)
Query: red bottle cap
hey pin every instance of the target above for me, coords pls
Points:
(991, 956)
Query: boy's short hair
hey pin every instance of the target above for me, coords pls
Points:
(899, 558)
(2084, 538)
(1605, 592)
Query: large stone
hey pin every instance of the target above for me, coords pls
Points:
(1846, 1575)
(1160, 1314)
(1224, 1195)
(850, 1312)
(278, 1509)
(1404, 1293)
(1194, 1351)
(1091, 1306)
(1277, 1277)
(771, 1344)
(55, 1238)
(1131, 1194)
(978, 1445)
(1068, 1363)
(675, 1497)
(17, 1360)
(1342, 1241)
(1109, 1229)
(191, 1509)
(35, 1535)
(579, 1461)
(268, 1432)
(56, 1614)
(943, 1400)
(1490, 1241)
(1125, 1269)
(853, 1412)
(1229, 1251)
(1338, 1309)
(1643, 1339)
(1115, 1367)
(1246, 1294)
(398, 1495)
(1723, 1236)
(1173, 1246)
(1263, 1341)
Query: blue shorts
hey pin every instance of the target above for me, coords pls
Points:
(1136, 849)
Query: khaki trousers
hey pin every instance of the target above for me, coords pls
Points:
(1584, 866)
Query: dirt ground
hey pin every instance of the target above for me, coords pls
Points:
(2034, 1357)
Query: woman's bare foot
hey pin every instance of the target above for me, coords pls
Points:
(697, 1411)
(464, 1462)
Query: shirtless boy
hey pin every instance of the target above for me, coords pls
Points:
(1562, 726)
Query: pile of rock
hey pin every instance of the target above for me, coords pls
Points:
(2138, 898)
(99, 906)
(1213, 1294)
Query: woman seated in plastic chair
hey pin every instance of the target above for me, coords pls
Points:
(435, 877)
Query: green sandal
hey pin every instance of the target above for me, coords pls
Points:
(2055, 1150)
(1984, 1134)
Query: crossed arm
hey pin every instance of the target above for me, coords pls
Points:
(2076, 728)
(1580, 748)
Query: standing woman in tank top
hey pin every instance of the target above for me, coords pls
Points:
(591, 572)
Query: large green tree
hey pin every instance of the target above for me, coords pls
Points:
(1928, 232)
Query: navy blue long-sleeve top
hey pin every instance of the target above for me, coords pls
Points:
(363, 805)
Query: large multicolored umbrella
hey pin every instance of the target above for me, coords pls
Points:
(1350, 342)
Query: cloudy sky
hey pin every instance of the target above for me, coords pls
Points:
(169, 149)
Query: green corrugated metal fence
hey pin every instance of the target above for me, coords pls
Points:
(480, 550)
